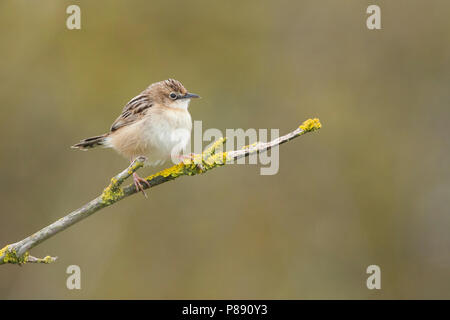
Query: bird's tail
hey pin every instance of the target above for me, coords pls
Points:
(90, 143)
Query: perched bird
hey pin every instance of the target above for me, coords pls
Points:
(155, 124)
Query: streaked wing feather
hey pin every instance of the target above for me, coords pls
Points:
(134, 110)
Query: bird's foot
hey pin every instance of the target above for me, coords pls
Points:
(139, 183)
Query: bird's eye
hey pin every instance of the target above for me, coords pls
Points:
(173, 95)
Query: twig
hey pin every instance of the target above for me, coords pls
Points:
(18, 253)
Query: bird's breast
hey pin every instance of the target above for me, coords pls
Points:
(167, 132)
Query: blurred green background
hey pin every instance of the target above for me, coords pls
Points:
(371, 187)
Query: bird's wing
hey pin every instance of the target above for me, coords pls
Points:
(133, 111)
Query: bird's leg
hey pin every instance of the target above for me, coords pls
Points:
(138, 181)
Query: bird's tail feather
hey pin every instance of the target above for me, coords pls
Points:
(91, 142)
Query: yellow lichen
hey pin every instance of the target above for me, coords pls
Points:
(47, 260)
(311, 125)
(112, 192)
(25, 257)
(136, 165)
(173, 171)
(3, 252)
(110, 195)
(10, 256)
(218, 159)
(198, 163)
(211, 150)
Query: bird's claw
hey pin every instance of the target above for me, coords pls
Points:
(138, 183)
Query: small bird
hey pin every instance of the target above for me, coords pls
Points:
(155, 124)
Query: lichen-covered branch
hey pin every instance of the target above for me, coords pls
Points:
(18, 253)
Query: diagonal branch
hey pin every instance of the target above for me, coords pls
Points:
(18, 253)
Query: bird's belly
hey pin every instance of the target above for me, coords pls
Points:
(164, 140)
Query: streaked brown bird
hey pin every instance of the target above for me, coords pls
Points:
(155, 124)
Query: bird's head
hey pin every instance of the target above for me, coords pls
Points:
(171, 93)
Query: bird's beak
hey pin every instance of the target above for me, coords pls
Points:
(190, 96)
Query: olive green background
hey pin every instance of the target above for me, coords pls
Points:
(371, 187)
